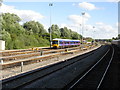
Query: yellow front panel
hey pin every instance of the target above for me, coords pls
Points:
(55, 45)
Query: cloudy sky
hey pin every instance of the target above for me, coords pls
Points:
(100, 19)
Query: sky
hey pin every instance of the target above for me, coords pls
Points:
(100, 20)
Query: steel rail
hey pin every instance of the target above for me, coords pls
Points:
(106, 69)
(44, 52)
(83, 76)
(48, 73)
(33, 58)
(22, 51)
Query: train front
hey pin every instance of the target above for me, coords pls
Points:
(55, 44)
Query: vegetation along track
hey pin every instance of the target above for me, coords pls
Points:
(24, 79)
(93, 77)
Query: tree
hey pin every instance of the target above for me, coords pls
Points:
(34, 27)
(55, 31)
(10, 18)
(10, 23)
(65, 33)
(75, 35)
(17, 36)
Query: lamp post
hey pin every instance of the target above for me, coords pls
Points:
(81, 32)
(83, 13)
(50, 4)
(93, 34)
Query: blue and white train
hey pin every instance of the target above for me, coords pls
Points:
(62, 43)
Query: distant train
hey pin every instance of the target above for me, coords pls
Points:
(116, 42)
(62, 43)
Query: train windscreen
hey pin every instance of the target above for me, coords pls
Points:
(55, 42)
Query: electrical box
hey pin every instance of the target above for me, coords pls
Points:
(2, 45)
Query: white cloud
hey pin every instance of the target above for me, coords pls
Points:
(25, 15)
(106, 31)
(98, 31)
(99, 23)
(87, 6)
(73, 27)
(77, 19)
(101, 31)
(87, 15)
(63, 25)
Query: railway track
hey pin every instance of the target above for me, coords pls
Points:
(24, 51)
(93, 77)
(22, 80)
(28, 51)
(32, 56)
(12, 55)
(112, 79)
(27, 55)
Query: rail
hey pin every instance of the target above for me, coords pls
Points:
(83, 80)
(26, 78)
(17, 59)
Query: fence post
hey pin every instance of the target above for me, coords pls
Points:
(1, 61)
(41, 52)
(21, 66)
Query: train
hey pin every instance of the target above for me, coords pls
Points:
(116, 42)
(62, 43)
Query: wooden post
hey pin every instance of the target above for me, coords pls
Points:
(1, 61)
(41, 52)
(21, 66)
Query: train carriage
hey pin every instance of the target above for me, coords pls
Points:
(61, 43)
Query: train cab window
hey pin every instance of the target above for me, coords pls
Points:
(55, 42)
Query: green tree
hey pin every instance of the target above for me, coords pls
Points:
(55, 31)
(65, 33)
(34, 27)
(75, 35)
(10, 22)
(10, 18)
